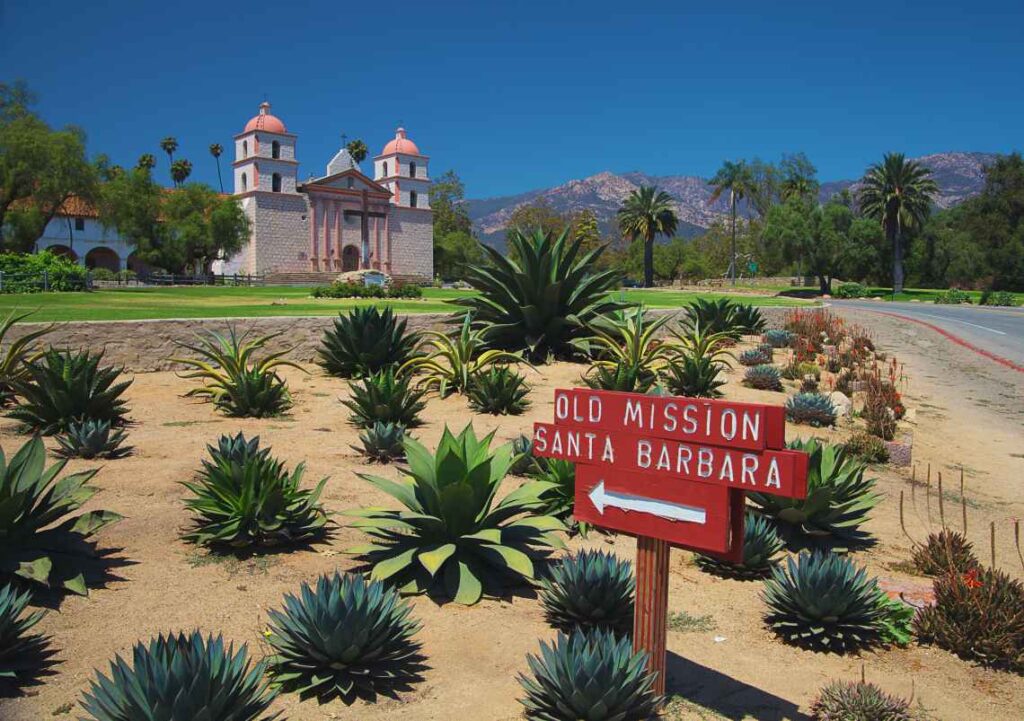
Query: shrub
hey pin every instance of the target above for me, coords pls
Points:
(182, 676)
(23, 273)
(588, 590)
(860, 701)
(92, 439)
(21, 653)
(824, 602)
(796, 370)
(999, 297)
(699, 360)
(60, 387)
(839, 497)
(761, 547)
(345, 637)
(235, 381)
(850, 290)
(384, 397)
(953, 296)
(42, 542)
(945, 552)
(366, 341)
(343, 289)
(979, 616)
(815, 329)
(451, 538)
(18, 352)
(594, 676)
(866, 447)
(763, 377)
(882, 407)
(450, 361)
(542, 294)
(777, 338)
(498, 391)
(243, 497)
(383, 442)
(812, 409)
(761, 355)
(522, 456)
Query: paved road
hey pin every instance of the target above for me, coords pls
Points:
(996, 330)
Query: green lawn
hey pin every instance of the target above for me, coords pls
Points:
(222, 302)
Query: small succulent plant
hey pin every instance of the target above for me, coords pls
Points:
(763, 377)
(524, 462)
(811, 409)
(859, 701)
(382, 442)
(92, 439)
(761, 547)
(21, 654)
(589, 589)
(760, 355)
(945, 552)
(498, 390)
(777, 338)
(385, 397)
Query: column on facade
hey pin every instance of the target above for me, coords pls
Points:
(386, 266)
(313, 234)
(339, 220)
(377, 260)
(326, 216)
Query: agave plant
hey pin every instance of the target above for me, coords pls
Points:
(559, 499)
(366, 341)
(763, 377)
(345, 638)
(181, 676)
(42, 543)
(824, 602)
(383, 442)
(700, 358)
(756, 356)
(761, 547)
(21, 654)
(92, 439)
(452, 538)
(242, 496)
(523, 461)
(715, 316)
(620, 376)
(594, 676)
(236, 381)
(498, 390)
(848, 701)
(812, 409)
(18, 353)
(839, 497)
(777, 338)
(627, 338)
(542, 295)
(589, 589)
(749, 318)
(59, 387)
(385, 397)
(945, 552)
(451, 361)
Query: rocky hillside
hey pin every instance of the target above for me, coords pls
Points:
(959, 175)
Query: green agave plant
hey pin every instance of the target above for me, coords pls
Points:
(235, 380)
(761, 355)
(749, 318)
(715, 316)
(620, 377)
(589, 589)
(18, 352)
(451, 538)
(42, 542)
(839, 497)
(92, 439)
(59, 387)
(700, 357)
(499, 391)
(181, 676)
(778, 338)
(812, 409)
(594, 676)
(761, 547)
(344, 638)
(541, 295)
(21, 654)
(366, 341)
(523, 461)
(824, 602)
(385, 397)
(627, 338)
(383, 442)
(559, 499)
(763, 377)
(449, 362)
(242, 496)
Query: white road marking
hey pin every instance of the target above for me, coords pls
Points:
(954, 320)
(663, 509)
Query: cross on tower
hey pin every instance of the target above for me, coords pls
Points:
(343, 139)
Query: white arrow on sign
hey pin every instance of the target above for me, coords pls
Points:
(663, 509)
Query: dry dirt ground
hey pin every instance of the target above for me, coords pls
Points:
(724, 665)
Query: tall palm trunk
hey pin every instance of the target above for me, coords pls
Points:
(732, 201)
(896, 239)
(220, 180)
(649, 260)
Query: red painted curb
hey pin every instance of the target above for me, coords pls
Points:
(955, 338)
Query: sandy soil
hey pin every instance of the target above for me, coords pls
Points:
(733, 668)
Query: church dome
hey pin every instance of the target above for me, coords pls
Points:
(401, 144)
(265, 121)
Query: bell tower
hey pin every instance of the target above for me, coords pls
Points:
(265, 156)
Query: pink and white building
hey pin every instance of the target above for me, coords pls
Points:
(342, 221)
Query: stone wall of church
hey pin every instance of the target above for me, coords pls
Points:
(412, 242)
(281, 230)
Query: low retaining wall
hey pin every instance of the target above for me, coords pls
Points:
(147, 345)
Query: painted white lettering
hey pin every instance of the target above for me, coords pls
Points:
(556, 443)
(725, 473)
(690, 416)
(572, 444)
(664, 459)
(609, 452)
(670, 416)
(683, 457)
(643, 454)
(561, 406)
(727, 424)
(749, 465)
(540, 438)
(704, 459)
(751, 425)
(594, 408)
(774, 481)
(590, 444)
(634, 414)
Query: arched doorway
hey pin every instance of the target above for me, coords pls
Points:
(102, 258)
(64, 252)
(350, 258)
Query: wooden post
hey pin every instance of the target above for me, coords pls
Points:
(651, 615)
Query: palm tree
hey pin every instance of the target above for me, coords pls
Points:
(169, 145)
(799, 187)
(648, 213)
(739, 181)
(146, 161)
(180, 170)
(357, 150)
(215, 151)
(898, 194)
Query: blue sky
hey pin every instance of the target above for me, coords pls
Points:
(521, 95)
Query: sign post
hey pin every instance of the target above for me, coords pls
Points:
(671, 471)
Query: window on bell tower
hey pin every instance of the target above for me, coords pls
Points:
(384, 169)
(245, 183)
(275, 182)
(412, 198)
(275, 150)
(245, 148)
(412, 169)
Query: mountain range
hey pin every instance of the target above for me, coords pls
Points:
(959, 175)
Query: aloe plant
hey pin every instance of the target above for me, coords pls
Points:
(18, 352)
(451, 537)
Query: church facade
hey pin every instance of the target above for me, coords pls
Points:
(341, 221)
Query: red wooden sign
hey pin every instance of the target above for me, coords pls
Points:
(670, 471)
